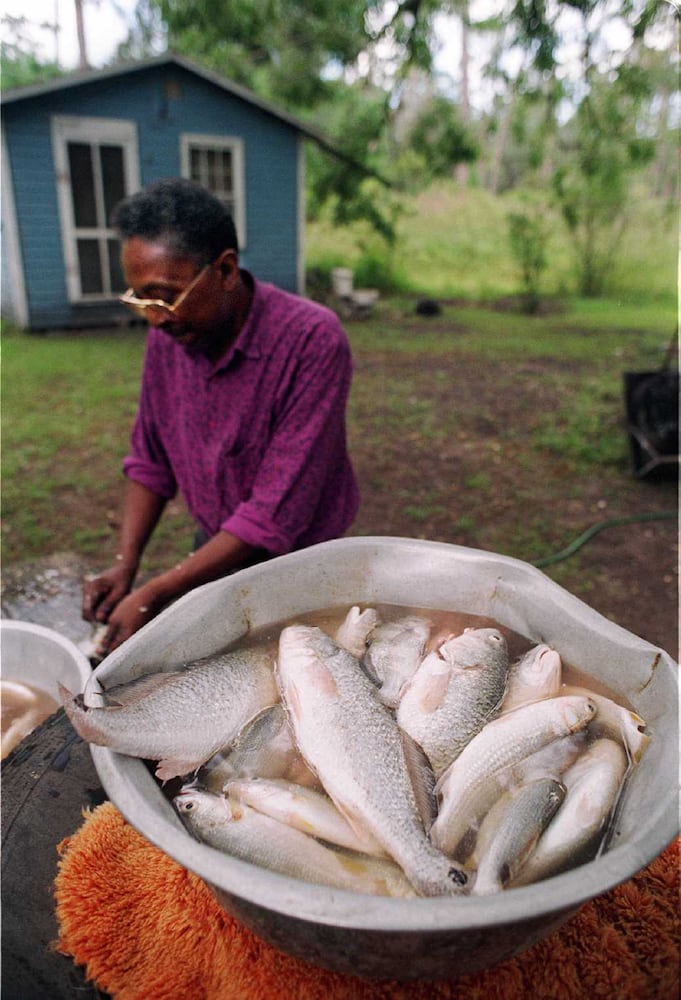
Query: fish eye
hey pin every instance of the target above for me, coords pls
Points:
(457, 876)
(187, 806)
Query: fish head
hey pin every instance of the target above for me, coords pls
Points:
(540, 661)
(475, 647)
(195, 805)
(577, 711)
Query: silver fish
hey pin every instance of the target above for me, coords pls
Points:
(455, 691)
(616, 722)
(305, 809)
(533, 676)
(354, 631)
(182, 718)
(245, 833)
(593, 785)
(395, 651)
(353, 743)
(510, 831)
(264, 748)
(470, 785)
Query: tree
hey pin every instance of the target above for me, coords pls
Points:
(20, 64)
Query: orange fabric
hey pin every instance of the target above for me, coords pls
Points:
(147, 929)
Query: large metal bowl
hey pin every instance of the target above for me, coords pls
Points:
(376, 936)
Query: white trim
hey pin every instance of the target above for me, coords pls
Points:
(235, 145)
(11, 245)
(66, 128)
(300, 224)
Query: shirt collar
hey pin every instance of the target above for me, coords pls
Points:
(249, 340)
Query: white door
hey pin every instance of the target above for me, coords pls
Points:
(97, 164)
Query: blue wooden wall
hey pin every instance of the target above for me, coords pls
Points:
(197, 106)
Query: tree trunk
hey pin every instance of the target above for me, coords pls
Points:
(80, 27)
(461, 172)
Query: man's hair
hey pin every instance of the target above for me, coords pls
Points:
(180, 213)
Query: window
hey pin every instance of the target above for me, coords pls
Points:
(96, 161)
(217, 162)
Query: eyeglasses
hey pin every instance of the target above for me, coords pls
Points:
(156, 310)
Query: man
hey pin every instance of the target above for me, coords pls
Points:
(242, 408)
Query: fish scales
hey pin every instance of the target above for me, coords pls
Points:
(353, 743)
(454, 692)
(511, 829)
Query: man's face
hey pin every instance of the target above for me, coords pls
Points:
(198, 314)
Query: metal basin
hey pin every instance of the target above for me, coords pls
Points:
(41, 657)
(376, 936)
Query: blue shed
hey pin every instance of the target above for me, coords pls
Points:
(71, 148)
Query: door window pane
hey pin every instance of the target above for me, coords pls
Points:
(82, 184)
(113, 178)
(116, 277)
(90, 266)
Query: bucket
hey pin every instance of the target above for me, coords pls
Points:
(341, 281)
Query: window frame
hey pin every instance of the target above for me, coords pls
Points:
(220, 143)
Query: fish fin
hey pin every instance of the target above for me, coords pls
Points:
(422, 779)
(353, 819)
(173, 768)
(367, 667)
(434, 691)
(133, 691)
(64, 693)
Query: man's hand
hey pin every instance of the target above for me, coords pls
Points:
(128, 616)
(101, 594)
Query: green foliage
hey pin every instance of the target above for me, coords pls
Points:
(528, 237)
(20, 69)
(441, 140)
(594, 181)
(279, 48)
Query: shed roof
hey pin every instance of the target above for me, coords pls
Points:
(81, 77)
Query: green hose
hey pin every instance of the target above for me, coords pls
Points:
(600, 526)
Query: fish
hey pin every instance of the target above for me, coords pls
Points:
(238, 830)
(353, 743)
(395, 651)
(510, 831)
(533, 676)
(305, 809)
(264, 748)
(455, 691)
(180, 718)
(616, 722)
(470, 785)
(355, 629)
(593, 784)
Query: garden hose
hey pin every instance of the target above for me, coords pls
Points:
(600, 526)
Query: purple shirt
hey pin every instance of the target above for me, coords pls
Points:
(256, 443)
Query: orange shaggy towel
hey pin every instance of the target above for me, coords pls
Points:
(147, 929)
